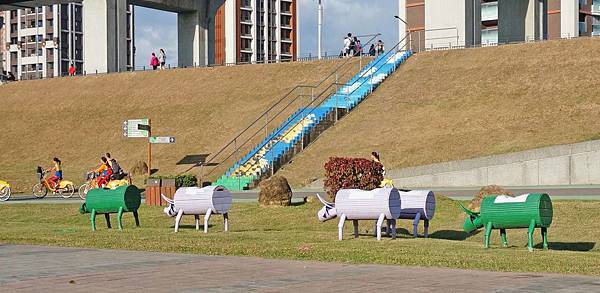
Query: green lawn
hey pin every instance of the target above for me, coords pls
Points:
(295, 233)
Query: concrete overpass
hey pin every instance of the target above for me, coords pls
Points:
(105, 29)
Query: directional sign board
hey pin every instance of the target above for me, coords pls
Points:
(131, 128)
(161, 139)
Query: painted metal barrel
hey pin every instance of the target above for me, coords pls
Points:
(197, 201)
(110, 200)
(417, 202)
(517, 212)
(359, 204)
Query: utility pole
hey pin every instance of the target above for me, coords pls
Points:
(320, 30)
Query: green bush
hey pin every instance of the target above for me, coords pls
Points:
(183, 180)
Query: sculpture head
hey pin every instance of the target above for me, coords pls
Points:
(473, 221)
(170, 208)
(327, 212)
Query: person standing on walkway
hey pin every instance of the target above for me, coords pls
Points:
(372, 51)
(347, 43)
(154, 61)
(71, 70)
(380, 48)
(162, 58)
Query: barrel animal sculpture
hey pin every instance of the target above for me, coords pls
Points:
(355, 204)
(199, 201)
(418, 205)
(504, 212)
(108, 201)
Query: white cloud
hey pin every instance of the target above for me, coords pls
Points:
(154, 30)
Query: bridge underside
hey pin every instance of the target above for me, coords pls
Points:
(165, 5)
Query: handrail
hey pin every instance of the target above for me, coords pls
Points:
(266, 112)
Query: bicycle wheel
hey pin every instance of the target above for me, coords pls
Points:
(40, 190)
(67, 192)
(5, 193)
(83, 190)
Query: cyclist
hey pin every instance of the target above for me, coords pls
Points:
(58, 176)
(104, 171)
(117, 171)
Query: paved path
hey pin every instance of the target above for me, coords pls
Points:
(52, 269)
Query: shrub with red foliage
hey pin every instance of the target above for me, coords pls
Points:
(351, 173)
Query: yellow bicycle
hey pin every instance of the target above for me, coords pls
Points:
(5, 190)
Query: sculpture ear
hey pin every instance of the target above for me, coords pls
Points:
(469, 212)
(324, 202)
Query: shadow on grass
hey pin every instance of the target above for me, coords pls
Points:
(297, 204)
(569, 246)
(452, 234)
(186, 226)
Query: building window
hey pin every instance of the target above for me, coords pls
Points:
(40, 52)
(40, 23)
(32, 23)
(50, 8)
(49, 23)
(40, 38)
(40, 66)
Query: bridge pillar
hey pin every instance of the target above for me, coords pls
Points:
(192, 36)
(105, 35)
(521, 20)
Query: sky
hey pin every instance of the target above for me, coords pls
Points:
(156, 29)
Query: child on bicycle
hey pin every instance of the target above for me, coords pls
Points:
(104, 171)
(58, 175)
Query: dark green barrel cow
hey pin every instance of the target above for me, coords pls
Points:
(504, 212)
(106, 201)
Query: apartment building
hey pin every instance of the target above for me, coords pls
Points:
(44, 41)
(254, 31)
(444, 23)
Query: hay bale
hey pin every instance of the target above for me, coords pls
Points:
(485, 191)
(139, 168)
(275, 191)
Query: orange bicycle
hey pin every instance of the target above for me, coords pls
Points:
(65, 188)
(91, 182)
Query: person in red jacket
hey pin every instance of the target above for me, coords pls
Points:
(154, 61)
(104, 172)
(72, 70)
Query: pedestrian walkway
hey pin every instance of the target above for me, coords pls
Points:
(53, 269)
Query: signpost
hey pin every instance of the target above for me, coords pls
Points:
(141, 128)
(161, 139)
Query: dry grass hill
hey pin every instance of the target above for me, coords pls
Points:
(439, 106)
(450, 105)
(79, 119)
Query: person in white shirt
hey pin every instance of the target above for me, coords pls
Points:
(162, 58)
(347, 44)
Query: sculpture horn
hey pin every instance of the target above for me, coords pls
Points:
(324, 202)
(170, 201)
(469, 212)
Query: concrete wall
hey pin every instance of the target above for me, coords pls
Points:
(452, 22)
(521, 20)
(557, 165)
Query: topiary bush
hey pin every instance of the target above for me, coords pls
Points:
(347, 173)
(182, 180)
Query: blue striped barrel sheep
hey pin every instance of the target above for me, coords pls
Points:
(418, 205)
(199, 201)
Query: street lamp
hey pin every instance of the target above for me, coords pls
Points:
(409, 32)
(319, 29)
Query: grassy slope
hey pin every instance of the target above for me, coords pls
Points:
(203, 108)
(452, 105)
(295, 233)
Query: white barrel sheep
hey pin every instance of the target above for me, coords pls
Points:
(199, 201)
(355, 204)
(418, 205)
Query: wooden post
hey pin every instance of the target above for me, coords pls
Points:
(149, 148)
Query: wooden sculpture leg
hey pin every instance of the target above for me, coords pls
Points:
(178, 219)
(137, 218)
(416, 225)
(120, 218)
(197, 218)
(503, 237)
(379, 223)
(426, 226)
(545, 237)
(341, 226)
(226, 221)
(107, 217)
(530, 235)
(206, 217)
(488, 231)
(93, 219)
(355, 224)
